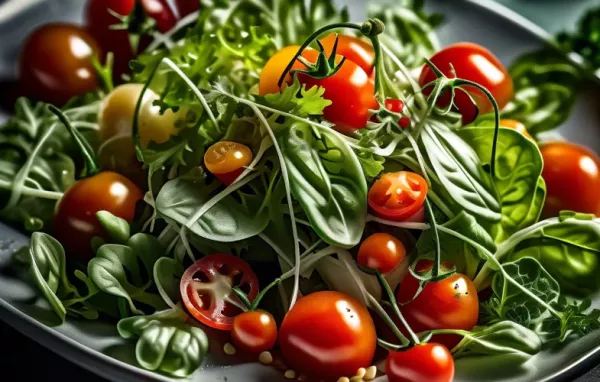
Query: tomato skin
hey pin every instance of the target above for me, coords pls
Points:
(161, 13)
(429, 362)
(206, 289)
(327, 334)
(572, 175)
(75, 222)
(254, 332)
(269, 78)
(55, 64)
(186, 7)
(354, 49)
(398, 196)
(382, 252)
(352, 94)
(475, 63)
(226, 160)
(517, 126)
(451, 303)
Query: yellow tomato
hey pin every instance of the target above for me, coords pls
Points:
(516, 125)
(226, 160)
(272, 71)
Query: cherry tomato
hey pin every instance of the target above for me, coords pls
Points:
(475, 63)
(156, 127)
(118, 154)
(186, 7)
(382, 252)
(429, 362)
(100, 20)
(572, 175)
(327, 334)
(75, 222)
(397, 106)
(451, 303)
(269, 78)
(354, 49)
(516, 125)
(56, 63)
(398, 196)
(352, 94)
(254, 332)
(226, 160)
(206, 289)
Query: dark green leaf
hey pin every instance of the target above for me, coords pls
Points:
(117, 228)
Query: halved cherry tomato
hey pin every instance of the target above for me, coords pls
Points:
(75, 222)
(381, 252)
(327, 334)
(427, 362)
(206, 289)
(572, 175)
(475, 63)
(517, 126)
(398, 196)
(451, 303)
(226, 160)
(56, 63)
(269, 78)
(353, 48)
(254, 332)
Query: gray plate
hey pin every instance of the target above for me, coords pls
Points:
(96, 345)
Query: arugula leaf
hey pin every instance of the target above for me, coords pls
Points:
(517, 179)
(579, 319)
(166, 342)
(327, 180)
(296, 99)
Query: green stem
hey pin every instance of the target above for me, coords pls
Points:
(86, 150)
(388, 345)
(435, 272)
(243, 298)
(263, 292)
(374, 304)
(394, 303)
(105, 72)
(309, 41)
(28, 191)
(379, 70)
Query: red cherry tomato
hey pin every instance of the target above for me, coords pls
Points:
(451, 303)
(572, 175)
(354, 49)
(75, 222)
(429, 362)
(56, 63)
(352, 94)
(398, 196)
(186, 7)
(254, 332)
(226, 160)
(397, 106)
(327, 334)
(475, 63)
(382, 252)
(206, 289)
(100, 20)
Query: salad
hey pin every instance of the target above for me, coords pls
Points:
(343, 200)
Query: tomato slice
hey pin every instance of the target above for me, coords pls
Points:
(226, 160)
(206, 289)
(398, 196)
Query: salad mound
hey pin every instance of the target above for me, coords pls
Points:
(318, 188)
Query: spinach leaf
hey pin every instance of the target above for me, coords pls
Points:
(116, 228)
(568, 247)
(231, 219)
(512, 303)
(327, 180)
(460, 172)
(546, 85)
(167, 276)
(517, 179)
(506, 342)
(166, 342)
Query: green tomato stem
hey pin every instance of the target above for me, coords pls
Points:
(34, 192)
(86, 150)
(374, 304)
(394, 303)
(243, 298)
(388, 345)
(435, 272)
(258, 298)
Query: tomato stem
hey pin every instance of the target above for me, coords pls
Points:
(242, 296)
(392, 298)
(388, 345)
(435, 272)
(262, 293)
(86, 150)
(105, 72)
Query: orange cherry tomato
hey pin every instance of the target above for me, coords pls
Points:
(269, 78)
(516, 125)
(75, 222)
(56, 63)
(327, 335)
(207, 289)
(254, 332)
(398, 196)
(572, 175)
(226, 160)
(475, 63)
(427, 362)
(382, 252)
(353, 48)
(451, 303)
